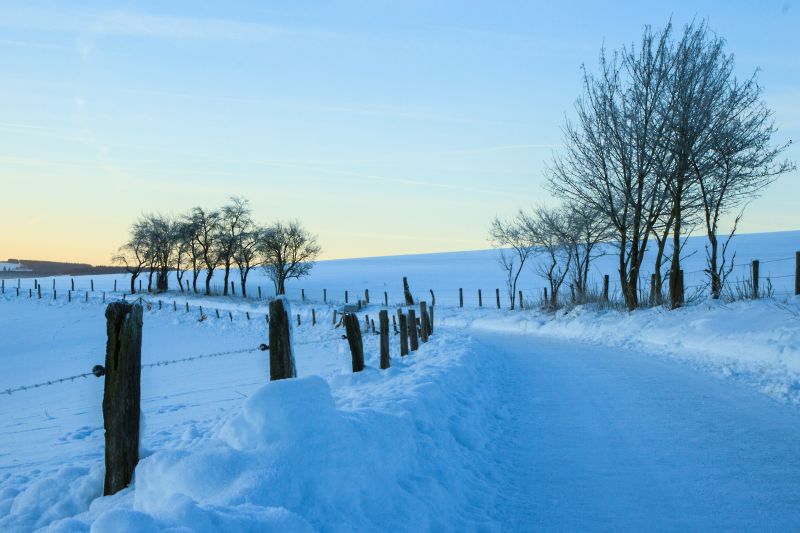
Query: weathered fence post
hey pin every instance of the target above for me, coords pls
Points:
(366, 323)
(313, 317)
(281, 358)
(372, 322)
(480, 299)
(430, 320)
(187, 307)
(386, 299)
(69, 296)
(115, 285)
(122, 394)
(334, 317)
(91, 285)
(423, 316)
(298, 319)
(345, 297)
(72, 284)
(394, 324)
(755, 278)
(383, 319)
(407, 292)
(324, 296)
(217, 311)
(159, 305)
(366, 295)
(247, 314)
(433, 297)
(497, 297)
(87, 297)
(653, 299)
(605, 288)
(174, 305)
(460, 297)
(353, 333)
(303, 295)
(401, 319)
(104, 296)
(4, 285)
(259, 292)
(796, 273)
(412, 330)
(230, 315)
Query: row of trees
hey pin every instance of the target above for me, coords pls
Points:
(666, 139)
(205, 240)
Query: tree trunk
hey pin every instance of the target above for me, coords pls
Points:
(225, 283)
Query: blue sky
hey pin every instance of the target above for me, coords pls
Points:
(387, 127)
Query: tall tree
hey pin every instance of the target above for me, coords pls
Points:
(288, 251)
(206, 223)
(515, 249)
(234, 222)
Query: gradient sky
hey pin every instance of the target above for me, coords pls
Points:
(386, 127)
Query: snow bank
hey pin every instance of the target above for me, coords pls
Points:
(378, 450)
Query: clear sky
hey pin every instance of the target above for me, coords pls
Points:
(386, 127)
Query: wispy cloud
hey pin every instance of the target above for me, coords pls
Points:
(131, 23)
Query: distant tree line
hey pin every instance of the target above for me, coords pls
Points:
(204, 240)
(666, 139)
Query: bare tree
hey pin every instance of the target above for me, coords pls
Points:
(162, 238)
(288, 251)
(698, 83)
(545, 228)
(206, 224)
(234, 221)
(613, 155)
(740, 163)
(515, 249)
(134, 254)
(582, 232)
(246, 255)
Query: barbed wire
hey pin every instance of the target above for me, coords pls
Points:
(21, 388)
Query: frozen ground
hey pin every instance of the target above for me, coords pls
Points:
(506, 420)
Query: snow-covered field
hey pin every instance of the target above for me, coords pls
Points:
(592, 419)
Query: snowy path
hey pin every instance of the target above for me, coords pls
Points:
(604, 439)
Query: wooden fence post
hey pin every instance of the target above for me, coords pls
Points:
(423, 316)
(394, 324)
(313, 317)
(69, 296)
(353, 333)
(383, 319)
(104, 296)
(430, 320)
(497, 296)
(217, 311)
(115, 285)
(407, 292)
(298, 319)
(247, 314)
(334, 317)
(324, 296)
(412, 330)
(480, 299)
(366, 295)
(366, 323)
(796, 273)
(230, 315)
(372, 323)
(303, 294)
(72, 284)
(159, 305)
(87, 297)
(174, 305)
(91, 285)
(433, 297)
(460, 297)
(187, 307)
(386, 299)
(652, 289)
(345, 297)
(122, 394)
(281, 358)
(605, 288)
(259, 292)
(755, 278)
(401, 319)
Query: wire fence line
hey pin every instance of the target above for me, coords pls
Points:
(99, 371)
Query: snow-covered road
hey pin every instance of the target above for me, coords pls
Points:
(606, 439)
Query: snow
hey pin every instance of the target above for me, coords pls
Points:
(590, 419)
